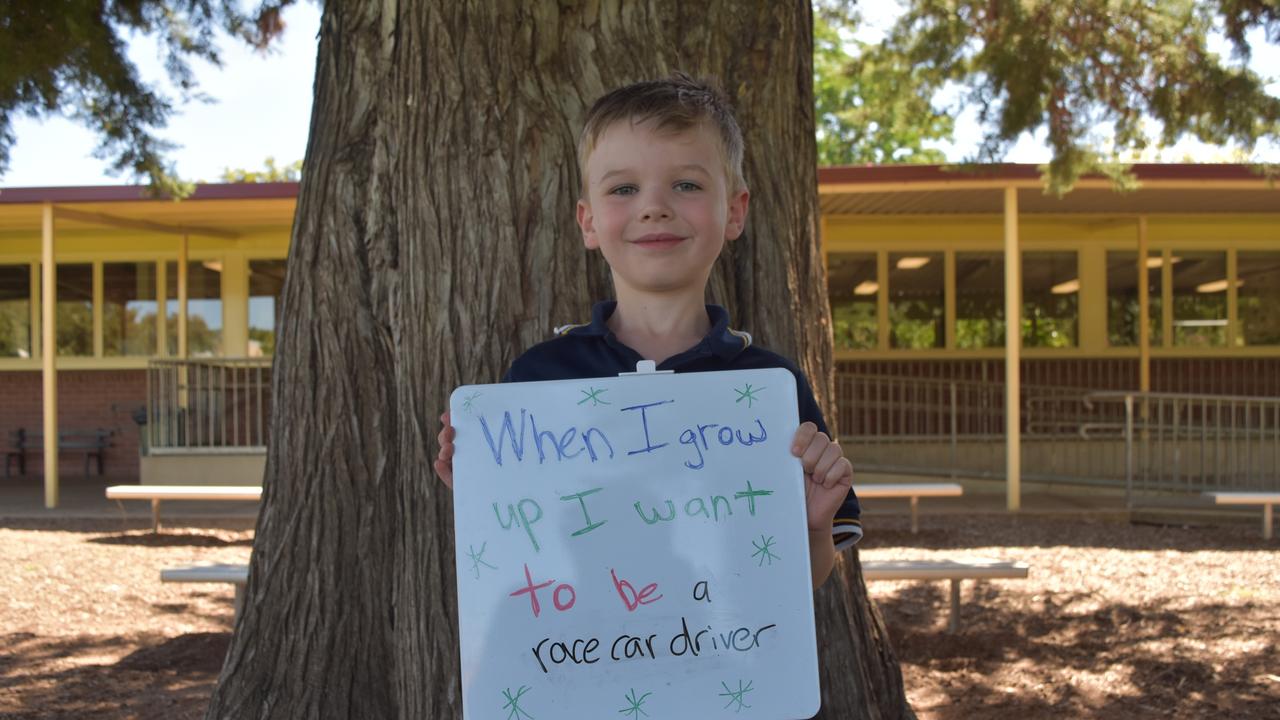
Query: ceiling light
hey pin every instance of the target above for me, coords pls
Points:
(867, 287)
(1155, 262)
(1216, 286)
(214, 265)
(1066, 288)
(912, 263)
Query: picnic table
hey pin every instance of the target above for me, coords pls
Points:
(914, 491)
(1265, 499)
(158, 493)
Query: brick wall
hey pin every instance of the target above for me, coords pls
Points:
(87, 399)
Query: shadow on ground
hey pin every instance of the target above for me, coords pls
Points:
(81, 677)
(1018, 656)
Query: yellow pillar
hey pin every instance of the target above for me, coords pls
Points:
(1235, 336)
(882, 301)
(49, 356)
(1144, 309)
(182, 297)
(1012, 351)
(235, 305)
(949, 298)
(1093, 299)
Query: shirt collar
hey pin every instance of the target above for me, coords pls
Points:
(721, 340)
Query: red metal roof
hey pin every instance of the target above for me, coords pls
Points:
(127, 193)
(1015, 171)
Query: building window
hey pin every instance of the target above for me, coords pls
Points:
(1122, 298)
(917, 317)
(266, 280)
(1200, 300)
(852, 288)
(128, 309)
(75, 309)
(204, 308)
(979, 300)
(1258, 298)
(15, 311)
(1050, 299)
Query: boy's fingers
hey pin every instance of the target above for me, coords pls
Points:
(804, 436)
(817, 446)
(841, 473)
(446, 451)
(445, 473)
(822, 470)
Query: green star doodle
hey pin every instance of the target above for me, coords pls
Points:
(468, 403)
(764, 549)
(594, 396)
(735, 696)
(635, 709)
(747, 393)
(513, 702)
(477, 559)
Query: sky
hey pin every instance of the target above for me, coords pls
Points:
(263, 109)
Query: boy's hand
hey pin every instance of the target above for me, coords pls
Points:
(444, 461)
(828, 475)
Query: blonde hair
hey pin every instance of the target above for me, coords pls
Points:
(675, 103)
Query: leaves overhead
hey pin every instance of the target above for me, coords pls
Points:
(871, 107)
(68, 58)
(1090, 73)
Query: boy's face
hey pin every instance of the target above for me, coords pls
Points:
(659, 207)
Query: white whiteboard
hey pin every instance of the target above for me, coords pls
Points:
(661, 521)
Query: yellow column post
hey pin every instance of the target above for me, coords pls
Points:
(1093, 299)
(1012, 351)
(182, 297)
(1166, 298)
(1144, 309)
(882, 301)
(49, 356)
(1234, 335)
(96, 292)
(235, 305)
(162, 309)
(949, 298)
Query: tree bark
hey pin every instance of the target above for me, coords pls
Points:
(434, 241)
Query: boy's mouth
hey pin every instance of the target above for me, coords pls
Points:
(658, 241)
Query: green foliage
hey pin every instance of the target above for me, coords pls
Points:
(871, 106)
(67, 57)
(1075, 68)
(270, 173)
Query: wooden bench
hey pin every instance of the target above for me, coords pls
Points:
(915, 491)
(157, 493)
(953, 570)
(1265, 499)
(93, 442)
(237, 575)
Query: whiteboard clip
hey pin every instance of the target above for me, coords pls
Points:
(647, 367)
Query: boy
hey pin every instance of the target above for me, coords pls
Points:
(663, 191)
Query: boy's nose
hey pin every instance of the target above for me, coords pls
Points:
(655, 211)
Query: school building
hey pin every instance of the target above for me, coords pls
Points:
(164, 316)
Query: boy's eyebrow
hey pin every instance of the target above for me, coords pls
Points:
(682, 168)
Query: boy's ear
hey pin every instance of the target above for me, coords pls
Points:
(737, 219)
(586, 221)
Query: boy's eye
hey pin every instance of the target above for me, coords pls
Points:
(686, 186)
(623, 190)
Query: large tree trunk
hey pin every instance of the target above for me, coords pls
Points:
(434, 241)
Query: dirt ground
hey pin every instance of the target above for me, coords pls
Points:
(1116, 620)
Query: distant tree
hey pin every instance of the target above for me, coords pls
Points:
(271, 172)
(67, 57)
(870, 107)
(1089, 73)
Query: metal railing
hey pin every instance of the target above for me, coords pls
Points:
(1180, 444)
(1145, 443)
(208, 405)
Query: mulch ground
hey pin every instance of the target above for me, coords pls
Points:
(1116, 620)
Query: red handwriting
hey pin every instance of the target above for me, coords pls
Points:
(532, 589)
(630, 597)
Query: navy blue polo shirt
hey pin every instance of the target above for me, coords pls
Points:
(592, 350)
